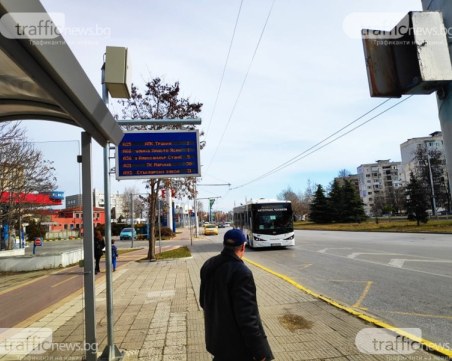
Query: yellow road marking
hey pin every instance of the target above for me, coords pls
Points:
(421, 315)
(25, 283)
(9, 289)
(428, 344)
(363, 295)
(60, 283)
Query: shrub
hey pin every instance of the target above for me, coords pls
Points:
(165, 232)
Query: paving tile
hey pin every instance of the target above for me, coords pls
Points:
(157, 317)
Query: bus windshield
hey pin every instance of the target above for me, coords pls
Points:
(272, 218)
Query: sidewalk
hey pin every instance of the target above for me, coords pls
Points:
(158, 318)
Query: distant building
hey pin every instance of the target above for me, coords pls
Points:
(74, 201)
(71, 219)
(116, 202)
(408, 150)
(378, 180)
(352, 178)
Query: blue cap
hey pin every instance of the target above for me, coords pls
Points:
(234, 238)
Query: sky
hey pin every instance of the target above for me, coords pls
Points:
(295, 75)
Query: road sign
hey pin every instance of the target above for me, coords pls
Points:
(158, 154)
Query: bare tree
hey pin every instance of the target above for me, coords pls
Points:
(306, 198)
(289, 195)
(23, 171)
(344, 173)
(431, 171)
(161, 101)
(133, 199)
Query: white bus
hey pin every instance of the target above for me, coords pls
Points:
(266, 223)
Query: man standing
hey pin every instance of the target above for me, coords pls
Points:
(99, 245)
(233, 328)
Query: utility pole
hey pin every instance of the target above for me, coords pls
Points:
(444, 97)
(111, 351)
(132, 220)
(414, 58)
(431, 185)
(169, 200)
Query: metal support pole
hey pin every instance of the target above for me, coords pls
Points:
(444, 97)
(111, 352)
(431, 185)
(132, 221)
(160, 227)
(169, 217)
(195, 208)
(88, 250)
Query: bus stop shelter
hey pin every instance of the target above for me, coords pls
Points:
(41, 79)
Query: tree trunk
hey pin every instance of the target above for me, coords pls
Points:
(152, 199)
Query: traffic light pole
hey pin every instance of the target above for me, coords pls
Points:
(444, 96)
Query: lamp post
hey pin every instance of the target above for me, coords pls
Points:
(431, 185)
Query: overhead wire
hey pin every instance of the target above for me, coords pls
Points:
(242, 85)
(315, 148)
(281, 166)
(224, 69)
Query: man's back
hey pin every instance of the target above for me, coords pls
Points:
(228, 296)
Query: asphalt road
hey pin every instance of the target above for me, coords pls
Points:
(403, 279)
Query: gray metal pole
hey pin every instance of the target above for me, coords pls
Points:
(195, 208)
(110, 352)
(131, 217)
(88, 250)
(169, 200)
(431, 185)
(444, 98)
(160, 227)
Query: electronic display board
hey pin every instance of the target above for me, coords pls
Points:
(158, 154)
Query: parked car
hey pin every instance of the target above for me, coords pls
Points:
(210, 229)
(126, 233)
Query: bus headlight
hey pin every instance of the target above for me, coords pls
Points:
(290, 238)
(257, 239)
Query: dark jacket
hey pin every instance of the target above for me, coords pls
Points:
(99, 245)
(233, 328)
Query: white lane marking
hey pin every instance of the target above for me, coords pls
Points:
(326, 249)
(356, 254)
(399, 262)
(380, 264)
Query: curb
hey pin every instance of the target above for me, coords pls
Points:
(429, 345)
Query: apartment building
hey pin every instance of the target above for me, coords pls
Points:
(352, 178)
(378, 179)
(116, 202)
(408, 151)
